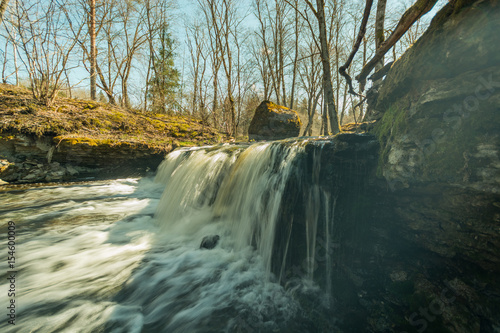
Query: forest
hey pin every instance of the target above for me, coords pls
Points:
(213, 59)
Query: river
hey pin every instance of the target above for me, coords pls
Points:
(124, 255)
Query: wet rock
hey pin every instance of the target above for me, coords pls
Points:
(55, 176)
(209, 242)
(273, 122)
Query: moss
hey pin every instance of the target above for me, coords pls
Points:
(184, 128)
(102, 123)
(116, 117)
(393, 123)
(90, 106)
(186, 143)
(157, 124)
(74, 141)
(62, 109)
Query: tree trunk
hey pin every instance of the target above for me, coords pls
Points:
(93, 52)
(409, 17)
(295, 60)
(4, 66)
(359, 39)
(379, 29)
(15, 65)
(325, 59)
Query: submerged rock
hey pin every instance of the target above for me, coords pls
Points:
(209, 242)
(274, 122)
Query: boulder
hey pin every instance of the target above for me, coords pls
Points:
(209, 242)
(273, 122)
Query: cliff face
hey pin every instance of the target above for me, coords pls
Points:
(436, 221)
(439, 103)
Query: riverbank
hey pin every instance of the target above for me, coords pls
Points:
(79, 139)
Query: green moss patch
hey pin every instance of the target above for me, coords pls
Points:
(95, 123)
(393, 123)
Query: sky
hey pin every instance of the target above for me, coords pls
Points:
(185, 12)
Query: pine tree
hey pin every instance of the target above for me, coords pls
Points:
(165, 79)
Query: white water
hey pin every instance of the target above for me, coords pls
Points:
(123, 256)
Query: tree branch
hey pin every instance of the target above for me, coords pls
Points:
(361, 34)
(409, 17)
(312, 7)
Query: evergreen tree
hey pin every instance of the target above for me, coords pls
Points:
(165, 79)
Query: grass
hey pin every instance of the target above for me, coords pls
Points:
(81, 121)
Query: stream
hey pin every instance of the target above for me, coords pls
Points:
(124, 255)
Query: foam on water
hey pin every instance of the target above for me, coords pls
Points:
(124, 256)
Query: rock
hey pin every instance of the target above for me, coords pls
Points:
(209, 242)
(439, 131)
(4, 164)
(273, 122)
(31, 177)
(55, 176)
(78, 158)
(71, 170)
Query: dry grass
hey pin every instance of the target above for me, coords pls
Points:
(72, 118)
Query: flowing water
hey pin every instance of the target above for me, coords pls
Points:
(124, 255)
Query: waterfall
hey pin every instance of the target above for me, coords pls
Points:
(238, 188)
(125, 255)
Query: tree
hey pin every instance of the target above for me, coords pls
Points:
(163, 85)
(319, 12)
(379, 29)
(93, 51)
(44, 43)
(3, 8)
(310, 76)
(415, 12)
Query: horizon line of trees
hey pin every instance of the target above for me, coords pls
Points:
(238, 54)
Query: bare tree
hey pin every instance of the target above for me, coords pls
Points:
(319, 12)
(310, 76)
(379, 29)
(415, 12)
(93, 51)
(279, 44)
(44, 44)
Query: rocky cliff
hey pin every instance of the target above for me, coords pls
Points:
(432, 256)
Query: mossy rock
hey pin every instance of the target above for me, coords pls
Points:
(274, 122)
